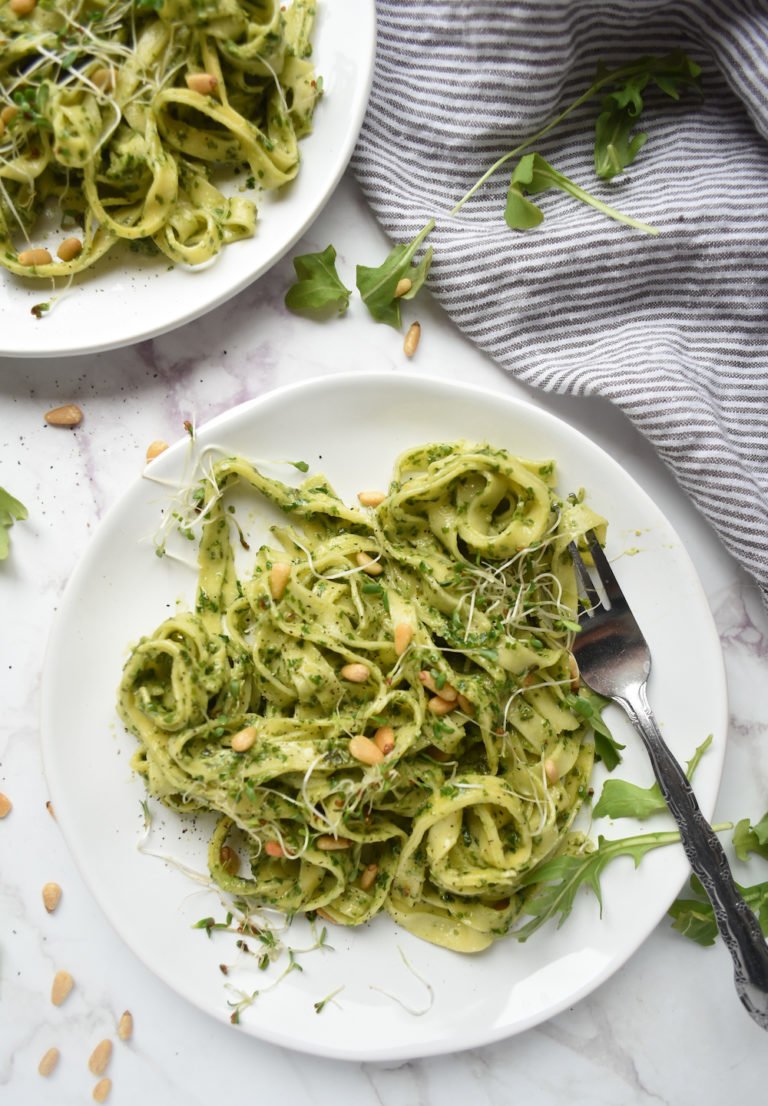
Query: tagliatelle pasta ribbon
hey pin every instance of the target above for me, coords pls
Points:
(101, 115)
(354, 768)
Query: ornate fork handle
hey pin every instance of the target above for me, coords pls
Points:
(737, 924)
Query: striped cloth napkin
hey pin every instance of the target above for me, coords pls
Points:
(673, 329)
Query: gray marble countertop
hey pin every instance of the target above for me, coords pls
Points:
(667, 1028)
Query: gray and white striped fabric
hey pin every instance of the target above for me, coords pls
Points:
(673, 329)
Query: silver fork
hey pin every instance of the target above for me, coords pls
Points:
(615, 661)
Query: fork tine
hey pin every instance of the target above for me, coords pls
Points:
(584, 578)
(604, 571)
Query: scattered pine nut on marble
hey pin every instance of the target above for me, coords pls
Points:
(125, 1026)
(412, 339)
(51, 896)
(100, 1057)
(101, 1090)
(67, 415)
(49, 1062)
(61, 988)
(154, 449)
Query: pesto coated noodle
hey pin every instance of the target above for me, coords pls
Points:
(117, 116)
(381, 710)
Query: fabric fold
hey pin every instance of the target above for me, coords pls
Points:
(673, 328)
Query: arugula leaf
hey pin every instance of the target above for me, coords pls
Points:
(11, 510)
(377, 285)
(319, 286)
(564, 875)
(751, 839)
(614, 148)
(589, 705)
(533, 175)
(669, 72)
(695, 918)
(621, 799)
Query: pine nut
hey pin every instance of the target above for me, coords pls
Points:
(100, 1057)
(34, 257)
(9, 112)
(551, 770)
(69, 249)
(62, 985)
(464, 704)
(242, 741)
(101, 1090)
(125, 1026)
(371, 499)
(574, 671)
(403, 637)
(330, 844)
(355, 673)
(403, 285)
(51, 896)
(68, 415)
(373, 568)
(103, 78)
(22, 7)
(364, 750)
(274, 849)
(412, 339)
(279, 574)
(447, 691)
(368, 877)
(440, 706)
(154, 449)
(6, 806)
(325, 915)
(204, 83)
(230, 861)
(49, 808)
(49, 1062)
(384, 738)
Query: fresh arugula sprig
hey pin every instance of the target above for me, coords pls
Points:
(751, 839)
(563, 876)
(613, 148)
(377, 286)
(319, 286)
(621, 799)
(589, 705)
(695, 918)
(533, 175)
(11, 510)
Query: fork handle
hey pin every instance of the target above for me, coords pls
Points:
(737, 924)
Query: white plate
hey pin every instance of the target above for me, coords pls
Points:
(126, 298)
(351, 428)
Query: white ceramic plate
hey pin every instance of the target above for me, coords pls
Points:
(351, 428)
(126, 298)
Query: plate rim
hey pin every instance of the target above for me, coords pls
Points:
(488, 1035)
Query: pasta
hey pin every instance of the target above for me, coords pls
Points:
(381, 712)
(122, 116)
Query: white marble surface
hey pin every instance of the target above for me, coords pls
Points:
(666, 1029)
